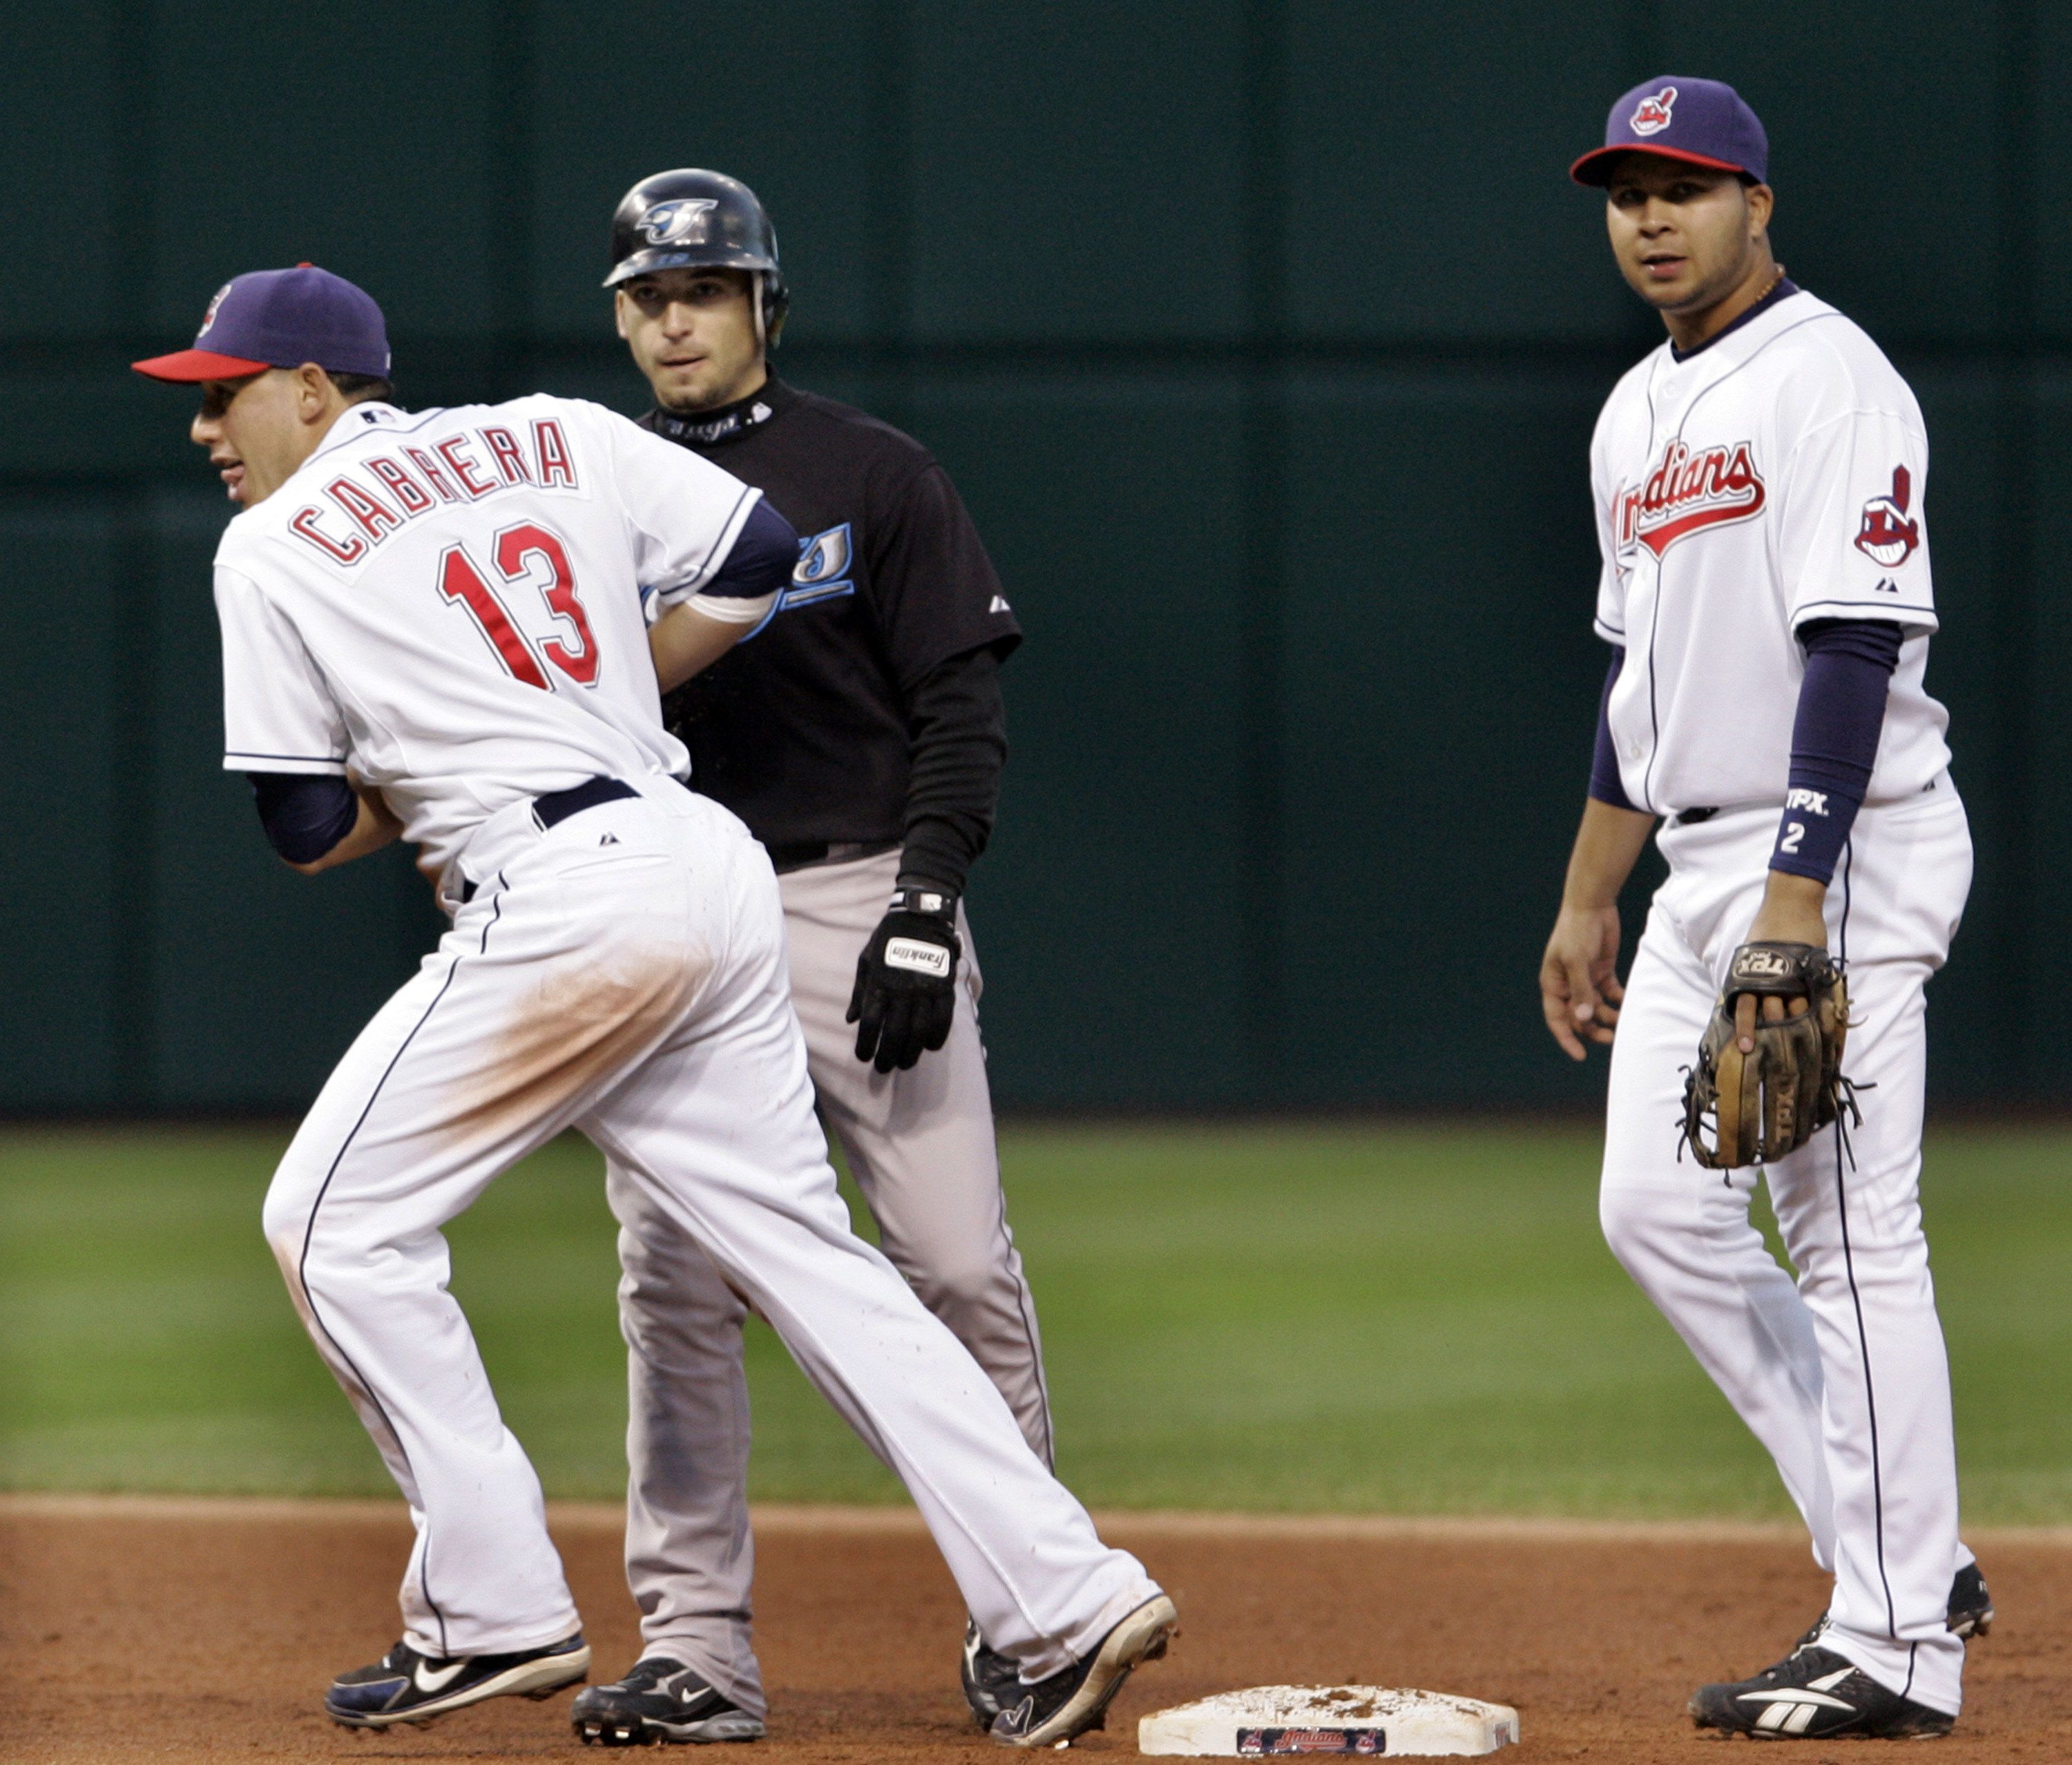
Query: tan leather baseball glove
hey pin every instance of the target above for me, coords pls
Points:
(1763, 1104)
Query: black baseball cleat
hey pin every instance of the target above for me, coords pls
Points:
(1971, 1605)
(1075, 1698)
(404, 1686)
(990, 1679)
(660, 1701)
(1815, 1694)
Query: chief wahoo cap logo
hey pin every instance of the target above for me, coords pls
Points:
(208, 318)
(1651, 116)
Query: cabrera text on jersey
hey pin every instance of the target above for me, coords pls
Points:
(496, 651)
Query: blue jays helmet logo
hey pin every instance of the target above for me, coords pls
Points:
(679, 222)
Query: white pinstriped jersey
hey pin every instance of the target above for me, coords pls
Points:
(1774, 477)
(448, 603)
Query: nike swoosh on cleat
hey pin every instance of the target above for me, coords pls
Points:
(428, 1681)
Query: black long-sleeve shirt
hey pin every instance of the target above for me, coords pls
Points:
(868, 709)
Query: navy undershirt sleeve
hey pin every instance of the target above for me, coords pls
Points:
(1834, 740)
(1605, 784)
(766, 552)
(305, 814)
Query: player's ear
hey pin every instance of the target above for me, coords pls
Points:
(1761, 203)
(619, 310)
(313, 392)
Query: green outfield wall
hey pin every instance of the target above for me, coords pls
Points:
(1264, 339)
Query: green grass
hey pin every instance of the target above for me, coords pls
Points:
(1388, 1319)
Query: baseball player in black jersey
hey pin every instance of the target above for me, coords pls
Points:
(859, 734)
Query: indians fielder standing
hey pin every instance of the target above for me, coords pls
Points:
(1759, 482)
(433, 628)
(860, 734)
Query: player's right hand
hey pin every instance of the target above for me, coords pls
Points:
(1579, 984)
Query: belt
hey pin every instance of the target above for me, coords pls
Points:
(550, 808)
(1692, 817)
(797, 854)
(555, 807)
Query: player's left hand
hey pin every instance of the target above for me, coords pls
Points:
(1765, 1090)
(1793, 912)
(905, 980)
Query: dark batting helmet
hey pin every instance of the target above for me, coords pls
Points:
(693, 220)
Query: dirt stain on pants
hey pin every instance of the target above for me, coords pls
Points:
(586, 1020)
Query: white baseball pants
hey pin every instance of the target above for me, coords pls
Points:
(1841, 1374)
(920, 1144)
(623, 972)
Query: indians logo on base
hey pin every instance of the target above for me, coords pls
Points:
(1266, 1742)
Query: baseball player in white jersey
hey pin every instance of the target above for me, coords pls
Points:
(433, 629)
(1759, 482)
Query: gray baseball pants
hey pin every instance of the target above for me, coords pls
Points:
(920, 1145)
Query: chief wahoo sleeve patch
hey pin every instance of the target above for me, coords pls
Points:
(1886, 533)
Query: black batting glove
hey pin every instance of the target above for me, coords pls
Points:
(906, 979)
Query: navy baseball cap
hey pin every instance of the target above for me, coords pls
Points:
(1704, 123)
(282, 318)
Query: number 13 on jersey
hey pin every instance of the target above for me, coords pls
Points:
(520, 552)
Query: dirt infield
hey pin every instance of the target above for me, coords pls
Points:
(190, 1630)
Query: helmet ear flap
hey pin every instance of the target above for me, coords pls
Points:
(774, 302)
